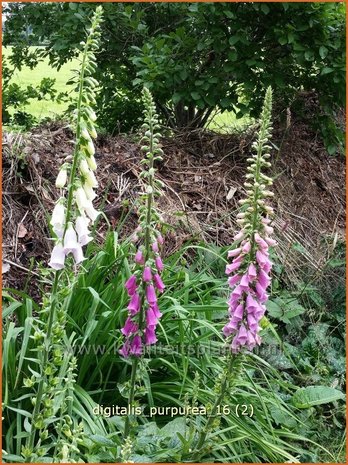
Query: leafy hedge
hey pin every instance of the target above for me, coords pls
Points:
(195, 57)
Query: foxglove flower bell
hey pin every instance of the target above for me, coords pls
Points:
(57, 257)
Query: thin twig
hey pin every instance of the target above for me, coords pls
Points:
(20, 266)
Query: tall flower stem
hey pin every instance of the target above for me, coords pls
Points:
(257, 179)
(131, 393)
(46, 351)
(251, 264)
(66, 242)
(77, 139)
(147, 245)
(219, 399)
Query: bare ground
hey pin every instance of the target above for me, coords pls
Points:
(203, 175)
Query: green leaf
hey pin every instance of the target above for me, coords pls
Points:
(24, 346)
(10, 309)
(193, 7)
(291, 37)
(298, 47)
(331, 149)
(176, 97)
(233, 40)
(176, 426)
(225, 102)
(183, 74)
(101, 440)
(11, 458)
(326, 70)
(284, 309)
(265, 9)
(136, 458)
(315, 395)
(195, 95)
(309, 56)
(232, 56)
(150, 429)
(281, 416)
(323, 51)
(229, 14)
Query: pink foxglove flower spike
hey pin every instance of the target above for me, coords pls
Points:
(145, 282)
(251, 265)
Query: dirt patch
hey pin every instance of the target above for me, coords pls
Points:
(203, 175)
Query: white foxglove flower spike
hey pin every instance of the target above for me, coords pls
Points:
(80, 194)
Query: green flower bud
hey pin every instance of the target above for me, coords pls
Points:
(92, 163)
(43, 434)
(85, 134)
(92, 132)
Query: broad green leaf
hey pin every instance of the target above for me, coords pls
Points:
(326, 70)
(178, 425)
(195, 95)
(103, 441)
(323, 51)
(233, 40)
(315, 395)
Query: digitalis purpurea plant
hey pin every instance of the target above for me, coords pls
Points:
(53, 379)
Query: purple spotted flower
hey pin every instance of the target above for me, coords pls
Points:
(249, 294)
(142, 287)
(131, 285)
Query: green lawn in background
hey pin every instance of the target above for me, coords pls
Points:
(225, 122)
(43, 108)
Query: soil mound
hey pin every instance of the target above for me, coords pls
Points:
(203, 174)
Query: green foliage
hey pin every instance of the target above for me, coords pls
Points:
(197, 57)
(190, 344)
(15, 97)
(315, 395)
